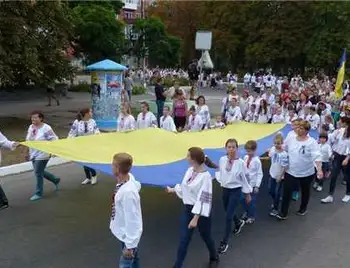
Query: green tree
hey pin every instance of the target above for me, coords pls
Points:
(99, 35)
(153, 40)
(34, 37)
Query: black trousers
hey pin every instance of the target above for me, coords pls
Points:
(289, 185)
(89, 172)
(336, 168)
(3, 198)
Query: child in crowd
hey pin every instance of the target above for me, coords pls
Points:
(194, 120)
(233, 113)
(279, 163)
(278, 116)
(218, 123)
(250, 117)
(314, 118)
(254, 176)
(329, 122)
(166, 121)
(146, 119)
(326, 154)
(126, 219)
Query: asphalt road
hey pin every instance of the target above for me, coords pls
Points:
(70, 229)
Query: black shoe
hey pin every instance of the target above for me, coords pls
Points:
(214, 262)
(222, 248)
(301, 212)
(239, 227)
(4, 206)
(281, 217)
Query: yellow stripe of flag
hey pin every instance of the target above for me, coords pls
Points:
(340, 78)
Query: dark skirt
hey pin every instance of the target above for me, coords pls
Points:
(180, 122)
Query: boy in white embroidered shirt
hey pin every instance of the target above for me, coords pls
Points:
(126, 218)
(166, 121)
(254, 176)
(218, 123)
(195, 122)
(279, 163)
(326, 154)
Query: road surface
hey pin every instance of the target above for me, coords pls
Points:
(70, 229)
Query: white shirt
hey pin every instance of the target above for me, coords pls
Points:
(314, 121)
(339, 143)
(278, 118)
(232, 174)
(251, 116)
(254, 171)
(326, 152)
(233, 114)
(269, 99)
(262, 117)
(44, 133)
(196, 190)
(167, 123)
(146, 120)
(5, 143)
(203, 112)
(302, 156)
(126, 218)
(219, 125)
(126, 123)
(279, 161)
(300, 107)
(195, 123)
(290, 119)
(83, 128)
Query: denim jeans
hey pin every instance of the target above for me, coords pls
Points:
(250, 208)
(204, 228)
(289, 185)
(231, 199)
(3, 198)
(336, 168)
(160, 107)
(129, 263)
(40, 173)
(89, 172)
(275, 191)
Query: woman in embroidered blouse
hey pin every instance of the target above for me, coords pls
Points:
(126, 122)
(39, 131)
(84, 125)
(146, 119)
(232, 178)
(263, 115)
(203, 111)
(196, 194)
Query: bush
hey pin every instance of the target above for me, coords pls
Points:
(170, 81)
(81, 87)
(138, 90)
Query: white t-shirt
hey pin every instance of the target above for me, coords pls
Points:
(167, 123)
(279, 161)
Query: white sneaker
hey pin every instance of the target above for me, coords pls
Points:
(346, 199)
(86, 181)
(94, 180)
(319, 188)
(328, 199)
(315, 185)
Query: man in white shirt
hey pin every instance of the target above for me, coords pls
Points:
(5, 143)
(126, 219)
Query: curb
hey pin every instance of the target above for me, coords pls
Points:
(27, 166)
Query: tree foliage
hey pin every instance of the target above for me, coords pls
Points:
(99, 35)
(153, 41)
(34, 37)
(258, 34)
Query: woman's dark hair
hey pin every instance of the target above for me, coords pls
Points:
(231, 141)
(323, 135)
(192, 108)
(197, 155)
(263, 107)
(82, 113)
(40, 114)
(200, 97)
(346, 120)
(146, 105)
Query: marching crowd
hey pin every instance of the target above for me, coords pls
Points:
(298, 161)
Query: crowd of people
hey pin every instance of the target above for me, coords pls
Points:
(298, 161)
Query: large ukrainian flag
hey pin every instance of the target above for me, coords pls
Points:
(340, 78)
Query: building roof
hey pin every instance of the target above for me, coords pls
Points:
(106, 65)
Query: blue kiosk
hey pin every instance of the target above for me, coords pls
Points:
(106, 91)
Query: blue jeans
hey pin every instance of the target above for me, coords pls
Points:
(40, 173)
(160, 107)
(230, 199)
(250, 208)
(204, 228)
(129, 263)
(275, 191)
